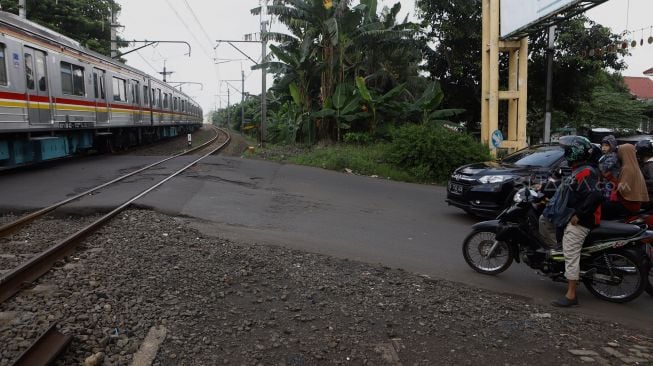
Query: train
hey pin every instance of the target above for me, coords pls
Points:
(58, 99)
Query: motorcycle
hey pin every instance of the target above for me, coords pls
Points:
(646, 219)
(612, 264)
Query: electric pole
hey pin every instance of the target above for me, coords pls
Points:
(22, 10)
(264, 106)
(549, 83)
(228, 107)
(242, 100)
(113, 25)
(166, 73)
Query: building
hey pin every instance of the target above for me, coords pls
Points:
(641, 88)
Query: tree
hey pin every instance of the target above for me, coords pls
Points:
(332, 43)
(87, 21)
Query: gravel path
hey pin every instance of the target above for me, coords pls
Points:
(230, 303)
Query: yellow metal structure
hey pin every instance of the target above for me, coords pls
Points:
(514, 131)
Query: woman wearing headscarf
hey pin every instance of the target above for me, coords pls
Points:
(631, 188)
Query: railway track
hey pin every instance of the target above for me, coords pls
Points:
(25, 272)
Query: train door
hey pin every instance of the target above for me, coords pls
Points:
(102, 107)
(37, 87)
(137, 113)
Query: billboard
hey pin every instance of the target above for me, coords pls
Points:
(517, 15)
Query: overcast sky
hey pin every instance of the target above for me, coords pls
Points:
(202, 22)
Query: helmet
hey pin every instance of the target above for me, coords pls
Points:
(577, 148)
(644, 148)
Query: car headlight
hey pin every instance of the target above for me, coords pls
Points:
(494, 178)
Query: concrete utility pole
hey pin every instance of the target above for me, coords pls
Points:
(22, 9)
(549, 83)
(242, 101)
(264, 105)
(228, 105)
(113, 25)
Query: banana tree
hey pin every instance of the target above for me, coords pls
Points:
(430, 101)
(374, 101)
(344, 107)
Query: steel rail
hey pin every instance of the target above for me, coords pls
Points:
(13, 281)
(45, 349)
(10, 227)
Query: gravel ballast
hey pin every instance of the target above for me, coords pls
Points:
(222, 302)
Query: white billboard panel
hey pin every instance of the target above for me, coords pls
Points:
(519, 14)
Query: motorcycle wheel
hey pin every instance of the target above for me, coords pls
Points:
(649, 285)
(475, 251)
(630, 282)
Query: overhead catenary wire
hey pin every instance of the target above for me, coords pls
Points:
(147, 62)
(183, 22)
(192, 12)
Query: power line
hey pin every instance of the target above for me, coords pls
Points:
(147, 62)
(206, 34)
(188, 28)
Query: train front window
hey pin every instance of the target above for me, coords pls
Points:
(3, 66)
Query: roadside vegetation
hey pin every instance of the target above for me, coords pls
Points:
(358, 88)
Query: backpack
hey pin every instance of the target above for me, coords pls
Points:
(556, 209)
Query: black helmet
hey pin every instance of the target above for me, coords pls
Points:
(644, 148)
(577, 149)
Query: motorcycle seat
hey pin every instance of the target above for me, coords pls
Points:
(613, 230)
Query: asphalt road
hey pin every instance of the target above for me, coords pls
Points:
(400, 225)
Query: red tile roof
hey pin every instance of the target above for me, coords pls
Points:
(640, 87)
(649, 72)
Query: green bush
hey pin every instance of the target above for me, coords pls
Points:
(359, 138)
(432, 153)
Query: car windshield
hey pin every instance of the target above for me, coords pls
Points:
(542, 156)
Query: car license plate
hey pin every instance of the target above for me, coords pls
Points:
(455, 188)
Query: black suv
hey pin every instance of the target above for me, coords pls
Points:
(485, 189)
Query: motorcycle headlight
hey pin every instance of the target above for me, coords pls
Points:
(494, 178)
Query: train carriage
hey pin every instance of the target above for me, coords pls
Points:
(58, 98)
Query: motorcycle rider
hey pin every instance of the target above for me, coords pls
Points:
(644, 150)
(584, 207)
(631, 190)
(609, 166)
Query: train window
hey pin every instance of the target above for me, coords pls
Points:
(29, 72)
(136, 92)
(146, 98)
(158, 98)
(165, 100)
(3, 66)
(119, 90)
(41, 72)
(96, 87)
(103, 94)
(174, 103)
(72, 79)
